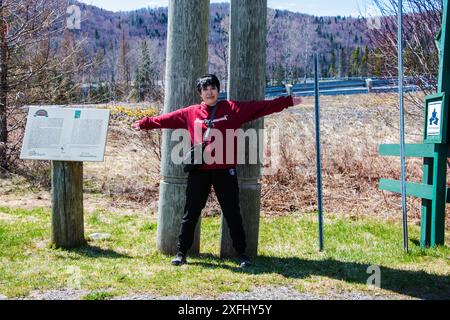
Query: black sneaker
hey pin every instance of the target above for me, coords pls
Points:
(179, 259)
(244, 261)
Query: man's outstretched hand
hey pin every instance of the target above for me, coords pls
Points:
(297, 100)
(136, 126)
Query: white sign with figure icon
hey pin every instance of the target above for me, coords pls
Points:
(65, 134)
(433, 118)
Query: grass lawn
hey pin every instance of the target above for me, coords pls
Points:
(128, 262)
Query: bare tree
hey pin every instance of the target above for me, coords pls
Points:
(422, 22)
(40, 63)
(221, 48)
(124, 72)
(3, 87)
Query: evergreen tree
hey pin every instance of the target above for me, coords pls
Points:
(324, 66)
(279, 74)
(356, 62)
(342, 63)
(376, 63)
(144, 79)
(364, 65)
(332, 72)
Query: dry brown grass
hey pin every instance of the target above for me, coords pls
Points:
(130, 172)
(352, 129)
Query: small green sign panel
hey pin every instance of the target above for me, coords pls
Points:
(435, 119)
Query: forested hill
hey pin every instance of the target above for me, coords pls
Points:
(292, 38)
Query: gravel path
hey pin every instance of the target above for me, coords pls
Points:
(261, 293)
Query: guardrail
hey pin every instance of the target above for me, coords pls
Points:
(341, 87)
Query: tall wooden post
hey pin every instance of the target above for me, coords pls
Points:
(247, 73)
(187, 60)
(67, 204)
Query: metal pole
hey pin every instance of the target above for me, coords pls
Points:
(402, 123)
(318, 157)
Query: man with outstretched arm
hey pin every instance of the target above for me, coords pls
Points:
(221, 175)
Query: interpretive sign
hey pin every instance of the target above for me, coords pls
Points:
(65, 134)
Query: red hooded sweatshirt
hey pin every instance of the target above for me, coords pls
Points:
(229, 115)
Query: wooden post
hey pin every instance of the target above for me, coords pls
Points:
(67, 204)
(438, 171)
(187, 60)
(439, 196)
(247, 81)
(425, 223)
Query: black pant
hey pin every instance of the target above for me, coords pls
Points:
(227, 191)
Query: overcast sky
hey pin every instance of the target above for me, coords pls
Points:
(316, 7)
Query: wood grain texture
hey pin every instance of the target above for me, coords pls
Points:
(247, 79)
(67, 204)
(187, 60)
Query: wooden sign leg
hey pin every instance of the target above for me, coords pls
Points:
(439, 197)
(67, 204)
(425, 224)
